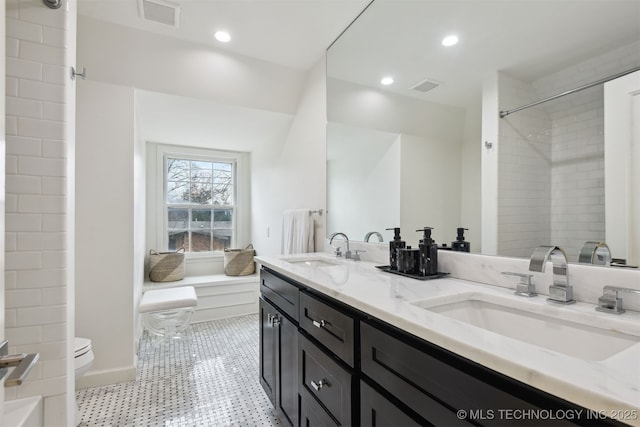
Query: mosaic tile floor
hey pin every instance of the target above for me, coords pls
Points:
(209, 379)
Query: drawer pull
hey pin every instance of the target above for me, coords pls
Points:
(319, 324)
(276, 321)
(317, 386)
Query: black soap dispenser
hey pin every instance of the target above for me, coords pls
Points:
(394, 245)
(460, 245)
(428, 253)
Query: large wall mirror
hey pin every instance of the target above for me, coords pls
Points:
(426, 146)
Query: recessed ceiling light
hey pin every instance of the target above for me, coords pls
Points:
(450, 40)
(386, 81)
(222, 36)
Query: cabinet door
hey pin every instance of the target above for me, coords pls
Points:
(268, 342)
(322, 378)
(287, 372)
(312, 414)
(377, 411)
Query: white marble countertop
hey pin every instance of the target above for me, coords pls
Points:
(610, 386)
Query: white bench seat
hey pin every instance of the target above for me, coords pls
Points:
(168, 299)
(219, 296)
(167, 312)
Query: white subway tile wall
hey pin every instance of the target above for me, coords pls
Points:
(37, 84)
(552, 158)
(524, 173)
(577, 130)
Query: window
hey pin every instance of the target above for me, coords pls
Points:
(199, 203)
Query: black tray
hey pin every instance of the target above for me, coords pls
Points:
(387, 268)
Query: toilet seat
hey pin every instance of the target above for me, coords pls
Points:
(81, 346)
(83, 355)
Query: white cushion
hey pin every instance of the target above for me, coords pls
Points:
(168, 299)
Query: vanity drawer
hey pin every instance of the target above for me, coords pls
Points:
(332, 328)
(281, 293)
(322, 378)
(432, 388)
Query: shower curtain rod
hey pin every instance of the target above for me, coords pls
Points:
(504, 114)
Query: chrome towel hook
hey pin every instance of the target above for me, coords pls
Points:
(75, 74)
(52, 4)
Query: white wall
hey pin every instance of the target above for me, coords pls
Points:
(38, 286)
(128, 57)
(470, 179)
(139, 223)
(524, 173)
(430, 193)
(490, 149)
(430, 169)
(2, 187)
(292, 175)
(256, 102)
(365, 107)
(363, 181)
(105, 228)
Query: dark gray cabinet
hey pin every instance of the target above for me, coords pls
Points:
(268, 348)
(313, 415)
(340, 367)
(328, 382)
(377, 411)
(279, 346)
(330, 326)
(443, 388)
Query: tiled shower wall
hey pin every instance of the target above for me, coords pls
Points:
(524, 172)
(577, 130)
(38, 89)
(551, 170)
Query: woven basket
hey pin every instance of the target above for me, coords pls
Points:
(239, 262)
(166, 266)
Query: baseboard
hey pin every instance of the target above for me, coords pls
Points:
(106, 377)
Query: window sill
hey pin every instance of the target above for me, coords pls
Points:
(200, 258)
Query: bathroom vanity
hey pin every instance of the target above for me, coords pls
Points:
(342, 343)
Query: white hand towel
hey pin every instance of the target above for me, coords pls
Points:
(297, 232)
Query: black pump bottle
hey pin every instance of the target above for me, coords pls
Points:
(394, 245)
(428, 253)
(460, 244)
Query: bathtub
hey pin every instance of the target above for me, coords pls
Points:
(26, 412)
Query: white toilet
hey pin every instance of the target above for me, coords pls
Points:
(83, 360)
(83, 356)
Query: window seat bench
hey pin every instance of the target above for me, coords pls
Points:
(219, 296)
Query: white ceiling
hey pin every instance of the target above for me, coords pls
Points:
(293, 33)
(526, 38)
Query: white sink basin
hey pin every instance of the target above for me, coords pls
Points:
(313, 262)
(544, 326)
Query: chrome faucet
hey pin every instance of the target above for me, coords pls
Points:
(525, 288)
(338, 253)
(610, 302)
(596, 253)
(559, 292)
(371, 233)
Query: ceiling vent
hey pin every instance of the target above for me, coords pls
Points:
(160, 11)
(426, 85)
